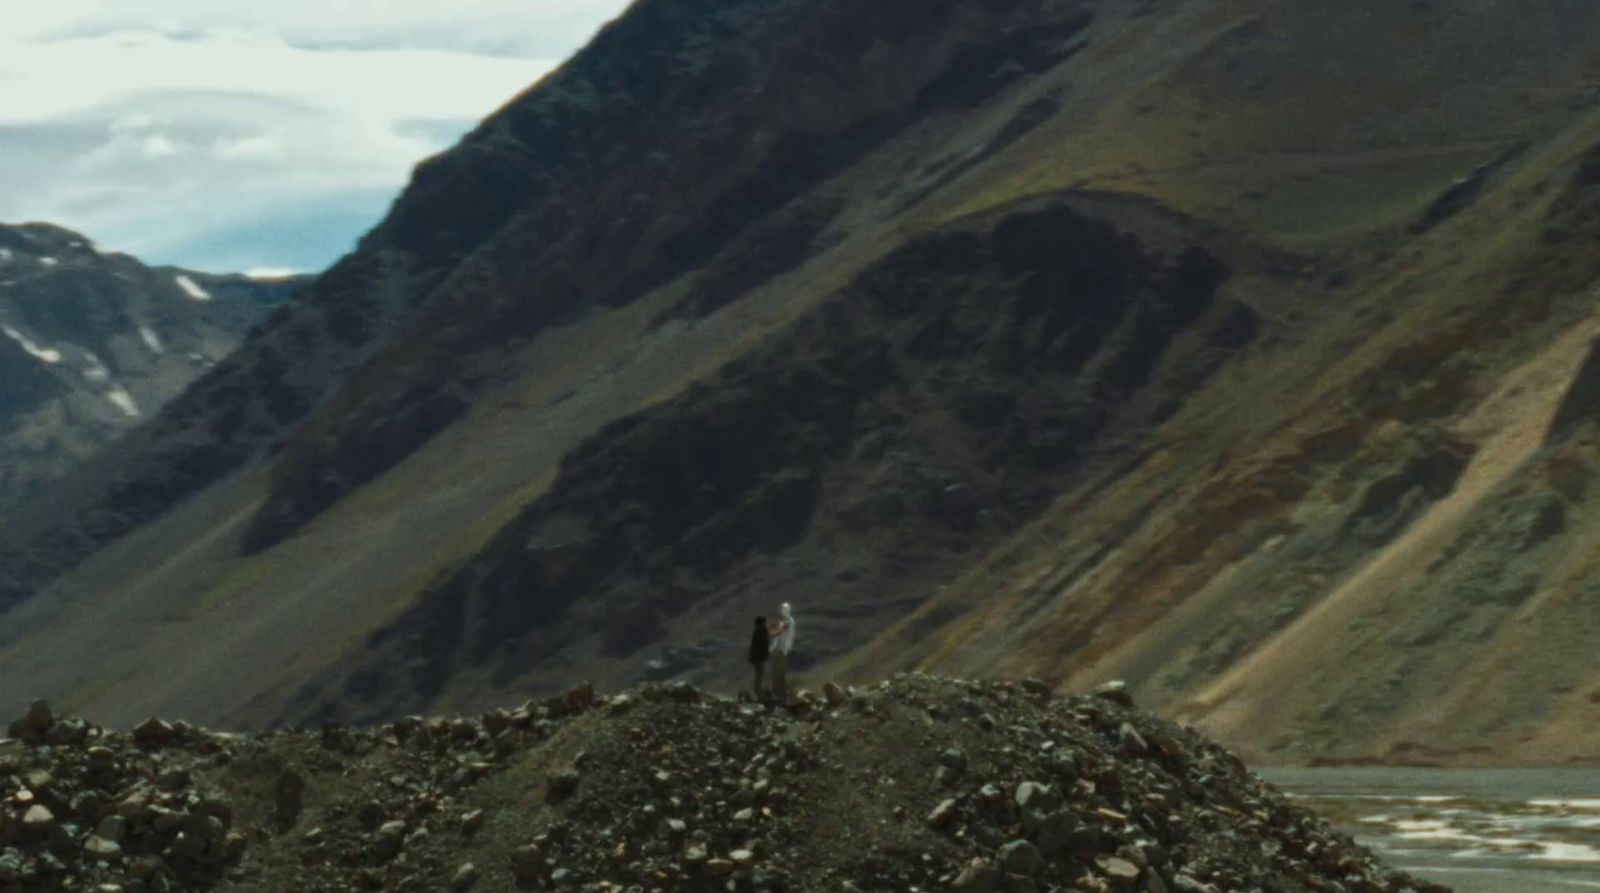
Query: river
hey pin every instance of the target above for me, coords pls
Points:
(1477, 831)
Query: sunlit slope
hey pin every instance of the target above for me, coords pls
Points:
(1386, 552)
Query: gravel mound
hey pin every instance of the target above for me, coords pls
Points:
(915, 784)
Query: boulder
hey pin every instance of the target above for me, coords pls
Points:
(1116, 692)
(1021, 857)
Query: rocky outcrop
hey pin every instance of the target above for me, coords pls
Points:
(916, 782)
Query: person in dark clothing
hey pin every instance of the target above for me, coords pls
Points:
(760, 648)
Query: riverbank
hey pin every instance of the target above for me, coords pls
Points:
(1475, 830)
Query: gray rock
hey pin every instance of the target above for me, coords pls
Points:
(1120, 873)
(1057, 833)
(1021, 857)
(978, 877)
(1183, 883)
(563, 783)
(38, 819)
(953, 758)
(1036, 797)
(1116, 692)
(97, 847)
(152, 733)
(113, 828)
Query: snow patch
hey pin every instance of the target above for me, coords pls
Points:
(151, 339)
(191, 289)
(40, 353)
(48, 261)
(5, 254)
(124, 401)
(95, 370)
(270, 273)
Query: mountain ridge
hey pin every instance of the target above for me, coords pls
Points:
(487, 401)
(96, 341)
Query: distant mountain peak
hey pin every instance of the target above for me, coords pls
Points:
(94, 343)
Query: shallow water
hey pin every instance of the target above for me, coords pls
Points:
(1478, 831)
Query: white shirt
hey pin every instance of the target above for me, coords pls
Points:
(785, 641)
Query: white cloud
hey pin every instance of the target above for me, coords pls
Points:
(160, 127)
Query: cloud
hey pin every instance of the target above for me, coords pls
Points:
(224, 137)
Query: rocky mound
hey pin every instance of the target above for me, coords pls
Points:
(918, 783)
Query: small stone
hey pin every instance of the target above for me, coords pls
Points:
(953, 758)
(1056, 833)
(943, 813)
(187, 845)
(563, 782)
(233, 847)
(719, 867)
(527, 863)
(979, 877)
(1116, 692)
(465, 877)
(1036, 797)
(113, 828)
(152, 733)
(39, 717)
(833, 694)
(472, 822)
(389, 839)
(1121, 873)
(38, 819)
(68, 732)
(1021, 857)
(98, 847)
(1132, 742)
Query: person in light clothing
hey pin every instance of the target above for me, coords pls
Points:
(782, 645)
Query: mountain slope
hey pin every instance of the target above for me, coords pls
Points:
(1212, 344)
(95, 342)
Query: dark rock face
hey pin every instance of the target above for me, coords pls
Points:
(91, 344)
(690, 138)
(936, 403)
(748, 207)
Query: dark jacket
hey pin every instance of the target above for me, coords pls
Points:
(760, 644)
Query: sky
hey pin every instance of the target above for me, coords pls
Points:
(251, 135)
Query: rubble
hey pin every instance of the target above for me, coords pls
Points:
(914, 784)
